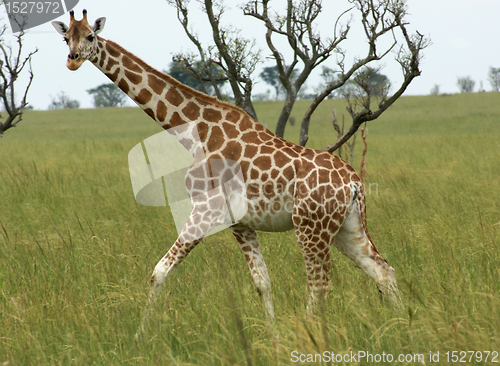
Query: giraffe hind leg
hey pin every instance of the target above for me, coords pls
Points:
(318, 276)
(353, 241)
(316, 253)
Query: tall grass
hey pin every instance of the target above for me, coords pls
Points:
(76, 251)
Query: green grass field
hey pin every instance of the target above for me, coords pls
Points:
(77, 252)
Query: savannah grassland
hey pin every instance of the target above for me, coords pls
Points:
(77, 252)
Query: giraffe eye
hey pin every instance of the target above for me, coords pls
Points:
(90, 38)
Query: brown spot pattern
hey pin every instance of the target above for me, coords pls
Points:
(231, 130)
(266, 150)
(202, 131)
(112, 51)
(288, 173)
(250, 151)
(232, 150)
(245, 124)
(113, 76)
(134, 78)
(143, 97)
(212, 115)
(176, 120)
(263, 162)
(130, 64)
(216, 139)
(150, 112)
(233, 116)
(111, 62)
(264, 136)
(174, 97)
(123, 85)
(280, 159)
(250, 137)
(191, 111)
(161, 111)
(156, 84)
(324, 160)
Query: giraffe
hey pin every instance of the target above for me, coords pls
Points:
(286, 186)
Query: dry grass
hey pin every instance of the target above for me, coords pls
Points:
(77, 252)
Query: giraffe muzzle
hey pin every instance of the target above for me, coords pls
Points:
(74, 61)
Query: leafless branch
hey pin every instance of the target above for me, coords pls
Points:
(408, 57)
(185, 61)
(231, 48)
(233, 53)
(12, 65)
(307, 46)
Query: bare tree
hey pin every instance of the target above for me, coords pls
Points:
(494, 78)
(379, 18)
(235, 55)
(466, 84)
(309, 50)
(12, 64)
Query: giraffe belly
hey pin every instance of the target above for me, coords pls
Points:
(273, 216)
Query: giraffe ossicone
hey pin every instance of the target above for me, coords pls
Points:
(286, 186)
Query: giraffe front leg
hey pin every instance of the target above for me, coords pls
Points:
(249, 244)
(166, 265)
(197, 226)
(163, 269)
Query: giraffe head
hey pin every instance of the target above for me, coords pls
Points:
(80, 37)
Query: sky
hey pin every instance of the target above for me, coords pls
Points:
(463, 34)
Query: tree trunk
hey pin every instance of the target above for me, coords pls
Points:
(285, 113)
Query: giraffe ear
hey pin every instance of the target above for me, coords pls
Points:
(60, 27)
(99, 25)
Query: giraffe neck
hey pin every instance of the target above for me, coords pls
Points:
(178, 108)
(133, 77)
(158, 94)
